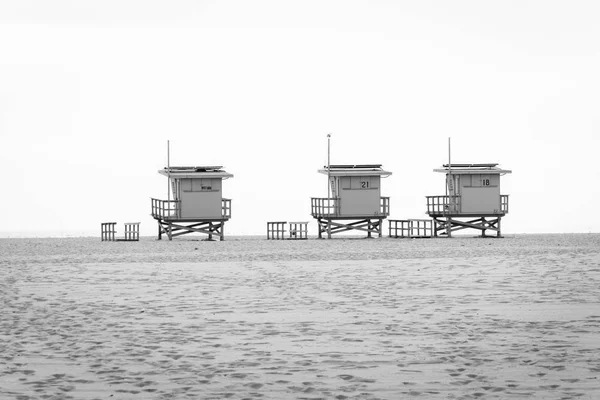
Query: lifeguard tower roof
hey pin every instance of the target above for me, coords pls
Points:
(355, 170)
(196, 172)
(473, 169)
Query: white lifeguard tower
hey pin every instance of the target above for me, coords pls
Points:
(355, 203)
(197, 204)
(473, 199)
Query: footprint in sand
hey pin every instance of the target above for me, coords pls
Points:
(549, 386)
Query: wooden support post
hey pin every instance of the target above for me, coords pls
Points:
(380, 226)
(498, 233)
(329, 229)
(222, 231)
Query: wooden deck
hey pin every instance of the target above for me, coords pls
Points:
(328, 210)
(323, 207)
(170, 222)
(450, 206)
(170, 210)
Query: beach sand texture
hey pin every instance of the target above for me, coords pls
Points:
(248, 318)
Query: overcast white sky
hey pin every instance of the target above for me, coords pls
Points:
(90, 92)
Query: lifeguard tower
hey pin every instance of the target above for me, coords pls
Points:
(355, 203)
(197, 204)
(473, 199)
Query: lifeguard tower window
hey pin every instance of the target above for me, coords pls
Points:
(483, 180)
(200, 185)
(360, 182)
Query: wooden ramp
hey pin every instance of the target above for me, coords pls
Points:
(410, 228)
(108, 232)
(296, 230)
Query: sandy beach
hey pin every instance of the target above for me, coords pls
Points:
(247, 318)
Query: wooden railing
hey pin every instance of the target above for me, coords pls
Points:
(297, 230)
(171, 209)
(324, 207)
(132, 231)
(399, 228)
(384, 206)
(107, 231)
(441, 205)
(165, 209)
(226, 208)
(331, 207)
(276, 230)
(411, 228)
(504, 203)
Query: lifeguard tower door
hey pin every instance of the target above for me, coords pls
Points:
(360, 196)
(201, 197)
(481, 194)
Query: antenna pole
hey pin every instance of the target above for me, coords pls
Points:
(449, 157)
(451, 181)
(328, 164)
(169, 174)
